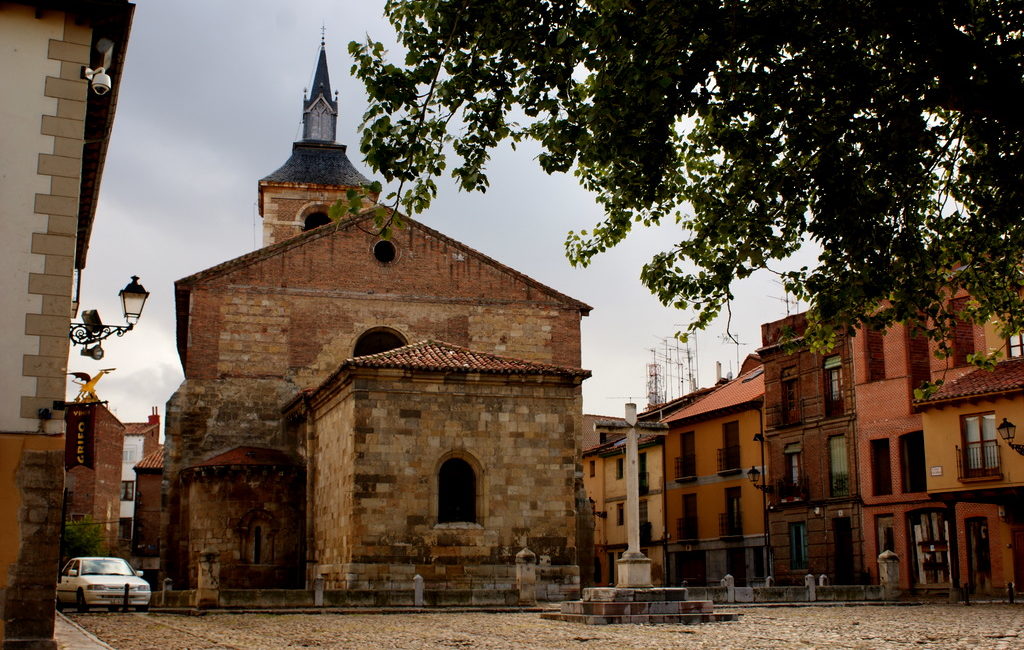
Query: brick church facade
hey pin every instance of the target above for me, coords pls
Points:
(365, 409)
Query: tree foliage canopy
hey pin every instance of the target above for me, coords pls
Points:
(889, 134)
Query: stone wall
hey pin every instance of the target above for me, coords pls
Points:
(226, 507)
(382, 437)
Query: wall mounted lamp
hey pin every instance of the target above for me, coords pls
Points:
(1008, 430)
(91, 330)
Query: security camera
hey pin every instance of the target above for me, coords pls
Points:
(96, 352)
(100, 80)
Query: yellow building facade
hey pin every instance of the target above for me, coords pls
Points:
(715, 513)
(977, 472)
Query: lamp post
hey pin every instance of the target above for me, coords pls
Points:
(91, 330)
(760, 481)
(1008, 430)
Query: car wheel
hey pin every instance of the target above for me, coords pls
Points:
(80, 603)
(60, 605)
(142, 608)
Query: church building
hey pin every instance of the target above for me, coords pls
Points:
(365, 409)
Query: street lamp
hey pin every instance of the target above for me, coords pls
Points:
(755, 477)
(1007, 430)
(91, 330)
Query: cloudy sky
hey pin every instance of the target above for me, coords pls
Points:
(210, 103)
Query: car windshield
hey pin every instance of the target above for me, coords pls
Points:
(111, 567)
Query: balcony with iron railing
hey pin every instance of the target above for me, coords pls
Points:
(686, 528)
(729, 460)
(839, 484)
(979, 461)
(686, 467)
(793, 490)
(730, 524)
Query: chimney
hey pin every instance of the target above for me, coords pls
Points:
(154, 417)
(718, 371)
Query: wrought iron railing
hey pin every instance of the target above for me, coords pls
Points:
(686, 528)
(730, 524)
(979, 460)
(729, 459)
(686, 466)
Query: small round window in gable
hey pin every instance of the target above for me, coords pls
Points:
(385, 251)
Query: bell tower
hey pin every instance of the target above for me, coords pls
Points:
(296, 197)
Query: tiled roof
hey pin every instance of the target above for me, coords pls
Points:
(152, 460)
(441, 357)
(745, 388)
(1007, 376)
(319, 163)
(249, 456)
(138, 428)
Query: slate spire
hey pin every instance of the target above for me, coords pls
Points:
(320, 109)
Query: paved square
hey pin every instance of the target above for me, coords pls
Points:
(985, 626)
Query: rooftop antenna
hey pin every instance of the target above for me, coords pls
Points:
(728, 337)
(792, 303)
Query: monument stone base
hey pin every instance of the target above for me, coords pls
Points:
(616, 606)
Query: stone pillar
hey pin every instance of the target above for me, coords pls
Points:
(318, 591)
(822, 580)
(208, 583)
(168, 586)
(729, 583)
(810, 583)
(889, 574)
(526, 576)
(417, 585)
(633, 570)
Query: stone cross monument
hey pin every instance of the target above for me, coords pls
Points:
(634, 568)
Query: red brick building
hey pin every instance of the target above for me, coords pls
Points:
(95, 492)
(815, 521)
(149, 473)
(899, 514)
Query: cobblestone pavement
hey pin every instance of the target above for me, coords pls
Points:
(927, 626)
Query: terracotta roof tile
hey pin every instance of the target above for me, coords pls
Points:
(745, 388)
(152, 460)
(249, 456)
(138, 428)
(1007, 376)
(438, 356)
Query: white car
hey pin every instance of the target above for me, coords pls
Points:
(101, 581)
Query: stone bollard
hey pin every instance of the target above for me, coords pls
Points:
(318, 591)
(208, 583)
(730, 588)
(889, 574)
(809, 582)
(526, 576)
(769, 581)
(822, 580)
(417, 593)
(168, 586)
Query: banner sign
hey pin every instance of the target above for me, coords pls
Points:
(80, 439)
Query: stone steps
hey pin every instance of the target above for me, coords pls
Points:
(650, 619)
(615, 606)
